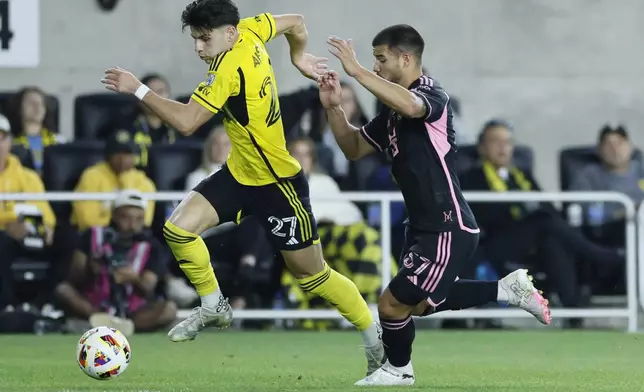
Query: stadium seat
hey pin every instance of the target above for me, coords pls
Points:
(51, 101)
(169, 165)
(468, 157)
(24, 155)
(574, 159)
(63, 166)
(94, 112)
(203, 132)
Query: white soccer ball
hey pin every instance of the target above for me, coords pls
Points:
(103, 353)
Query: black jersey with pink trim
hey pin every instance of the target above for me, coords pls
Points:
(423, 153)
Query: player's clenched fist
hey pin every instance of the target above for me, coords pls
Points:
(120, 80)
(330, 90)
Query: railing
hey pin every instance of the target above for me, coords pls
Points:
(385, 198)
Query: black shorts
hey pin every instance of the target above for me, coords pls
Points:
(284, 208)
(429, 265)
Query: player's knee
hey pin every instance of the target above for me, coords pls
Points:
(390, 308)
(194, 215)
(306, 262)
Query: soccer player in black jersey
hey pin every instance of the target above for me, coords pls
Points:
(415, 130)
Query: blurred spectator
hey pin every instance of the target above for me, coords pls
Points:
(115, 270)
(514, 232)
(381, 180)
(26, 229)
(301, 111)
(145, 127)
(215, 153)
(32, 123)
(320, 184)
(348, 243)
(117, 172)
(617, 172)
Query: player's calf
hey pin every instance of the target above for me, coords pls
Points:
(398, 330)
(315, 276)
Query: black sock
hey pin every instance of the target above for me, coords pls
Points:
(398, 337)
(468, 294)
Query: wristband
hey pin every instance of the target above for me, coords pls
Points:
(141, 91)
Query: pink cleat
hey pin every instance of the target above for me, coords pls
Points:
(524, 295)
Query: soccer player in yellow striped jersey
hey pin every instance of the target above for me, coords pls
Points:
(260, 177)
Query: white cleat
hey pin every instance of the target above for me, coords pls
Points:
(375, 354)
(202, 317)
(524, 295)
(388, 375)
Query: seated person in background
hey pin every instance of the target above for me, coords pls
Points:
(26, 229)
(116, 173)
(215, 153)
(320, 183)
(617, 172)
(145, 127)
(348, 243)
(515, 231)
(32, 123)
(114, 273)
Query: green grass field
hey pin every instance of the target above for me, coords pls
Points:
(332, 361)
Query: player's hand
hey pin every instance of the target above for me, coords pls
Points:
(330, 90)
(125, 275)
(311, 66)
(120, 80)
(343, 50)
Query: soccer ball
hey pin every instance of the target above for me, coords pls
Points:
(103, 353)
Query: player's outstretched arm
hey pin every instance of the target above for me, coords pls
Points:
(293, 28)
(185, 118)
(348, 137)
(401, 100)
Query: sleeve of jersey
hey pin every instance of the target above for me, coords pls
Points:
(434, 100)
(214, 91)
(262, 25)
(375, 132)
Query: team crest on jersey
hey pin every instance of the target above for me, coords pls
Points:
(210, 80)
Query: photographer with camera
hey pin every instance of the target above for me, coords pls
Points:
(113, 277)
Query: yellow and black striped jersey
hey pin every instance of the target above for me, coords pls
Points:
(241, 83)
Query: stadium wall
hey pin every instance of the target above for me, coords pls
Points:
(554, 68)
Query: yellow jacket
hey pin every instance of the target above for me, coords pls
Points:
(18, 179)
(101, 178)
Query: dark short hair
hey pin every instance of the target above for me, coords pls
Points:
(153, 76)
(608, 130)
(210, 14)
(402, 37)
(494, 123)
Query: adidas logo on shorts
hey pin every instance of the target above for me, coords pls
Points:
(292, 241)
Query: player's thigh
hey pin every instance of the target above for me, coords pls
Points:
(430, 267)
(284, 210)
(214, 200)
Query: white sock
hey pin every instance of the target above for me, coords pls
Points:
(211, 301)
(407, 369)
(502, 295)
(371, 336)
